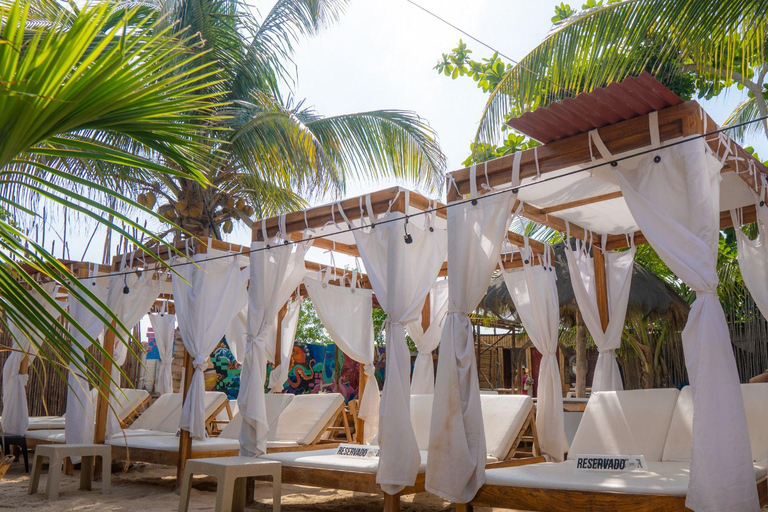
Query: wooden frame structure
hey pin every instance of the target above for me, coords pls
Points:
(675, 122)
(380, 202)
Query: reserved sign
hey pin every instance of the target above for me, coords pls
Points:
(611, 463)
(358, 451)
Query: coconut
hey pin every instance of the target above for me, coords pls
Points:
(151, 199)
(227, 227)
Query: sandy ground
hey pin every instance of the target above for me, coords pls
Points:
(148, 488)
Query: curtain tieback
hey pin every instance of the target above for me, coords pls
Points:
(455, 312)
(611, 351)
(200, 363)
(706, 292)
(369, 370)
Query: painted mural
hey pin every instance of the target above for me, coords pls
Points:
(313, 370)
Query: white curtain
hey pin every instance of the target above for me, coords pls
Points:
(534, 292)
(618, 270)
(401, 275)
(753, 256)
(78, 429)
(457, 452)
(15, 418)
(423, 378)
(142, 291)
(676, 203)
(237, 336)
(206, 295)
(276, 271)
(288, 326)
(164, 327)
(347, 315)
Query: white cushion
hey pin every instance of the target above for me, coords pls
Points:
(503, 417)
(668, 478)
(53, 436)
(166, 405)
(275, 402)
(170, 443)
(327, 459)
(305, 417)
(625, 423)
(678, 446)
(46, 422)
(212, 400)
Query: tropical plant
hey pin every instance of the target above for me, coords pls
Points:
(77, 88)
(277, 152)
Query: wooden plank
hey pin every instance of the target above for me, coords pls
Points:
(601, 286)
(362, 380)
(102, 400)
(581, 202)
(279, 335)
(185, 440)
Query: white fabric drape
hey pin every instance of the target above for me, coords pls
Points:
(457, 452)
(78, 429)
(401, 275)
(347, 315)
(276, 271)
(237, 335)
(534, 292)
(676, 203)
(143, 289)
(164, 327)
(206, 295)
(423, 378)
(618, 270)
(753, 256)
(15, 418)
(288, 326)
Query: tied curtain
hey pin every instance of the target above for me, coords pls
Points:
(15, 418)
(207, 294)
(676, 203)
(277, 269)
(457, 452)
(347, 315)
(143, 289)
(423, 378)
(534, 292)
(79, 427)
(753, 255)
(618, 271)
(288, 326)
(401, 275)
(164, 327)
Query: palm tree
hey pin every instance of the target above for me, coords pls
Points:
(276, 152)
(721, 43)
(75, 86)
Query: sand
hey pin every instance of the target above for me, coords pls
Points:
(149, 488)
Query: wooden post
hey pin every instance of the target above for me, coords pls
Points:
(360, 423)
(102, 402)
(426, 312)
(185, 441)
(279, 336)
(601, 286)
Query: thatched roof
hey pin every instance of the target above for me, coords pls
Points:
(649, 295)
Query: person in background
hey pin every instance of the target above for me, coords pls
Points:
(527, 383)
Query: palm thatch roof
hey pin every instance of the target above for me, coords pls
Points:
(649, 296)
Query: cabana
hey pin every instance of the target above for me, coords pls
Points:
(624, 165)
(400, 237)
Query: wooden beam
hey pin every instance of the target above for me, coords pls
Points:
(317, 217)
(359, 422)
(331, 245)
(581, 202)
(279, 334)
(102, 400)
(601, 286)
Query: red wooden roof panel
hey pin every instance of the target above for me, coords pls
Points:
(632, 97)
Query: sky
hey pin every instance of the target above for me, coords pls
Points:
(381, 55)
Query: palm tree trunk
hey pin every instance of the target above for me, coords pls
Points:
(582, 367)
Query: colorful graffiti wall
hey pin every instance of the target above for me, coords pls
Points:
(313, 370)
